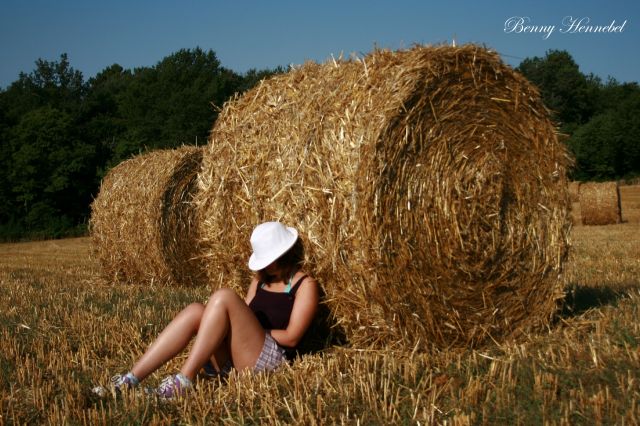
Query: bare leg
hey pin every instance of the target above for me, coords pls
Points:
(226, 316)
(173, 339)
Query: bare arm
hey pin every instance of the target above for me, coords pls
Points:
(304, 309)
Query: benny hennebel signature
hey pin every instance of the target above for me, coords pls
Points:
(569, 25)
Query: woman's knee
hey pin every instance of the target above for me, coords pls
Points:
(193, 313)
(223, 296)
(195, 308)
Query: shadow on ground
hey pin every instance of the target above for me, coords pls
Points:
(580, 299)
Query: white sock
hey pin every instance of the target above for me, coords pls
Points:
(134, 380)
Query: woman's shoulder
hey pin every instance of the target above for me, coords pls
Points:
(302, 277)
(307, 289)
(304, 282)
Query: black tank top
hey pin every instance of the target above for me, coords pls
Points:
(273, 309)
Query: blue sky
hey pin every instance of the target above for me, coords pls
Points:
(264, 34)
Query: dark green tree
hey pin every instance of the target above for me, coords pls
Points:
(600, 119)
(60, 135)
(53, 172)
(6, 198)
(47, 166)
(52, 83)
(565, 90)
(175, 102)
(101, 118)
(254, 76)
(608, 146)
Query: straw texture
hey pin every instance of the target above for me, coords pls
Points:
(428, 186)
(600, 203)
(142, 222)
(574, 191)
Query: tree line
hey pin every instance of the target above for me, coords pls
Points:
(60, 134)
(599, 121)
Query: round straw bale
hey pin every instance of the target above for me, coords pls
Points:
(428, 185)
(143, 221)
(600, 203)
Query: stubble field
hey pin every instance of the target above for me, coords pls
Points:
(65, 330)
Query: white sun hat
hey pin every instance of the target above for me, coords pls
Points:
(269, 241)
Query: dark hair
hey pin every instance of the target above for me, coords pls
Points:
(288, 263)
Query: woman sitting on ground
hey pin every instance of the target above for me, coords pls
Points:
(254, 334)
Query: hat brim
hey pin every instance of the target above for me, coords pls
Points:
(257, 263)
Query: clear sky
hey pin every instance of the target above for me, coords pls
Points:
(263, 34)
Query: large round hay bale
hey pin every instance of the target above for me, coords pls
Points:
(428, 184)
(600, 203)
(143, 221)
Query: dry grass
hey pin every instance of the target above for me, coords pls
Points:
(63, 330)
(428, 184)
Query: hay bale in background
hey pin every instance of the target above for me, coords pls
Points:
(142, 222)
(600, 203)
(428, 185)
